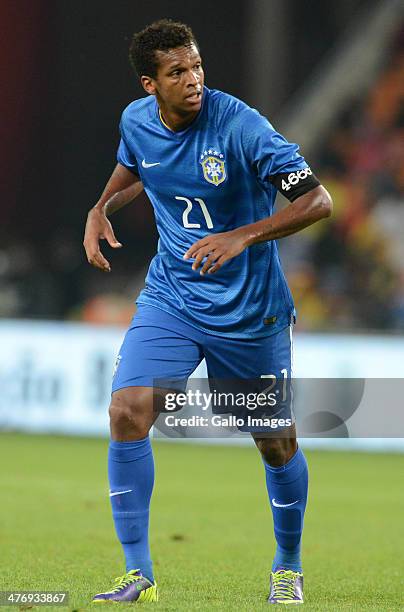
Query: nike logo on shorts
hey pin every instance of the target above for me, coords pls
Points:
(146, 165)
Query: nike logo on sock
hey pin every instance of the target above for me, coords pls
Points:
(274, 503)
(112, 494)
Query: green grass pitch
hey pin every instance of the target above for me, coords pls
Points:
(211, 526)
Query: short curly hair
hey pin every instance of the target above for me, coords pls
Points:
(161, 35)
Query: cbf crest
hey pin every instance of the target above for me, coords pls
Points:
(213, 166)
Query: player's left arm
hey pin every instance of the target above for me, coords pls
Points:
(308, 208)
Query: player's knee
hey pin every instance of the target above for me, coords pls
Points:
(128, 421)
(276, 451)
(120, 415)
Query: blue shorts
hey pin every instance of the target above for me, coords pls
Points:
(159, 345)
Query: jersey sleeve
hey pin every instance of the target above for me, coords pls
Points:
(273, 158)
(124, 155)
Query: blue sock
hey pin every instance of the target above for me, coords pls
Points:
(131, 471)
(287, 491)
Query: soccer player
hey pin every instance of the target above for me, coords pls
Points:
(211, 167)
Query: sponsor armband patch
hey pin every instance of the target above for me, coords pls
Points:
(295, 184)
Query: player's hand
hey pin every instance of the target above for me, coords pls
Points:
(216, 249)
(98, 228)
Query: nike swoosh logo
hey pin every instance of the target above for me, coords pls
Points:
(146, 165)
(274, 503)
(112, 494)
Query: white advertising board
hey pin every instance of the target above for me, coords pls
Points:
(56, 377)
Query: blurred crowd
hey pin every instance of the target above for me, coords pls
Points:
(346, 274)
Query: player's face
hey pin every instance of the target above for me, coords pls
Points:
(178, 85)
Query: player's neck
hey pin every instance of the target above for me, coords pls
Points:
(175, 122)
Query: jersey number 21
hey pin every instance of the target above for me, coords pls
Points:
(188, 209)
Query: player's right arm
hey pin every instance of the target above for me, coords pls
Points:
(123, 187)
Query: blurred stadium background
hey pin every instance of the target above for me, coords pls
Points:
(330, 75)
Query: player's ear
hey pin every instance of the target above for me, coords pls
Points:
(148, 85)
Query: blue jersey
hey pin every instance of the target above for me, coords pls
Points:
(213, 176)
